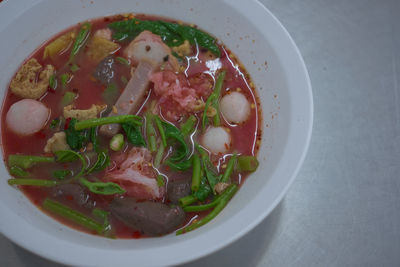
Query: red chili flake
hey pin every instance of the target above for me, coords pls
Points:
(67, 121)
(51, 90)
(226, 146)
(69, 197)
(136, 234)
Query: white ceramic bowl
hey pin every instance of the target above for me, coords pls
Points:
(276, 66)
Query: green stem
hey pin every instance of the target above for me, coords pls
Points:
(73, 215)
(33, 182)
(217, 92)
(185, 201)
(189, 125)
(230, 191)
(210, 205)
(27, 161)
(80, 125)
(229, 169)
(161, 131)
(247, 163)
(196, 175)
(159, 156)
(151, 132)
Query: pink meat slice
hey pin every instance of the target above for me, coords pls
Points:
(130, 99)
(135, 174)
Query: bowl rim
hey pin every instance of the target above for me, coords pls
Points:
(254, 4)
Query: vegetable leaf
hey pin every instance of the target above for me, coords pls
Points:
(160, 181)
(110, 94)
(103, 160)
(61, 174)
(133, 134)
(80, 40)
(179, 166)
(101, 188)
(172, 34)
(55, 123)
(19, 172)
(27, 161)
(53, 82)
(75, 139)
(204, 190)
(69, 156)
(171, 132)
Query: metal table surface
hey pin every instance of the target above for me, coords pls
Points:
(344, 207)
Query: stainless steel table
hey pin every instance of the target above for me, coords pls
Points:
(344, 207)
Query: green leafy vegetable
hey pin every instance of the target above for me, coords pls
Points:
(247, 163)
(196, 173)
(32, 182)
(80, 40)
(185, 201)
(159, 156)
(213, 100)
(18, 172)
(68, 98)
(74, 68)
(69, 156)
(27, 161)
(94, 138)
(64, 78)
(61, 174)
(161, 130)
(117, 142)
(189, 125)
(171, 132)
(229, 169)
(101, 188)
(160, 181)
(223, 200)
(53, 82)
(172, 34)
(208, 167)
(73, 215)
(55, 123)
(75, 139)
(103, 160)
(133, 134)
(180, 166)
(150, 132)
(123, 61)
(204, 190)
(217, 93)
(111, 94)
(89, 123)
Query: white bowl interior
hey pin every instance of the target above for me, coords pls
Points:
(256, 37)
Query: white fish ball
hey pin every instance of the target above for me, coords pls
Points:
(216, 140)
(27, 116)
(234, 107)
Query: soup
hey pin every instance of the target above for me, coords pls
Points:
(131, 126)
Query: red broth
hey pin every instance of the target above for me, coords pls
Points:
(245, 137)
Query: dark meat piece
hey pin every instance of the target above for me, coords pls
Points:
(105, 70)
(178, 189)
(151, 218)
(74, 192)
